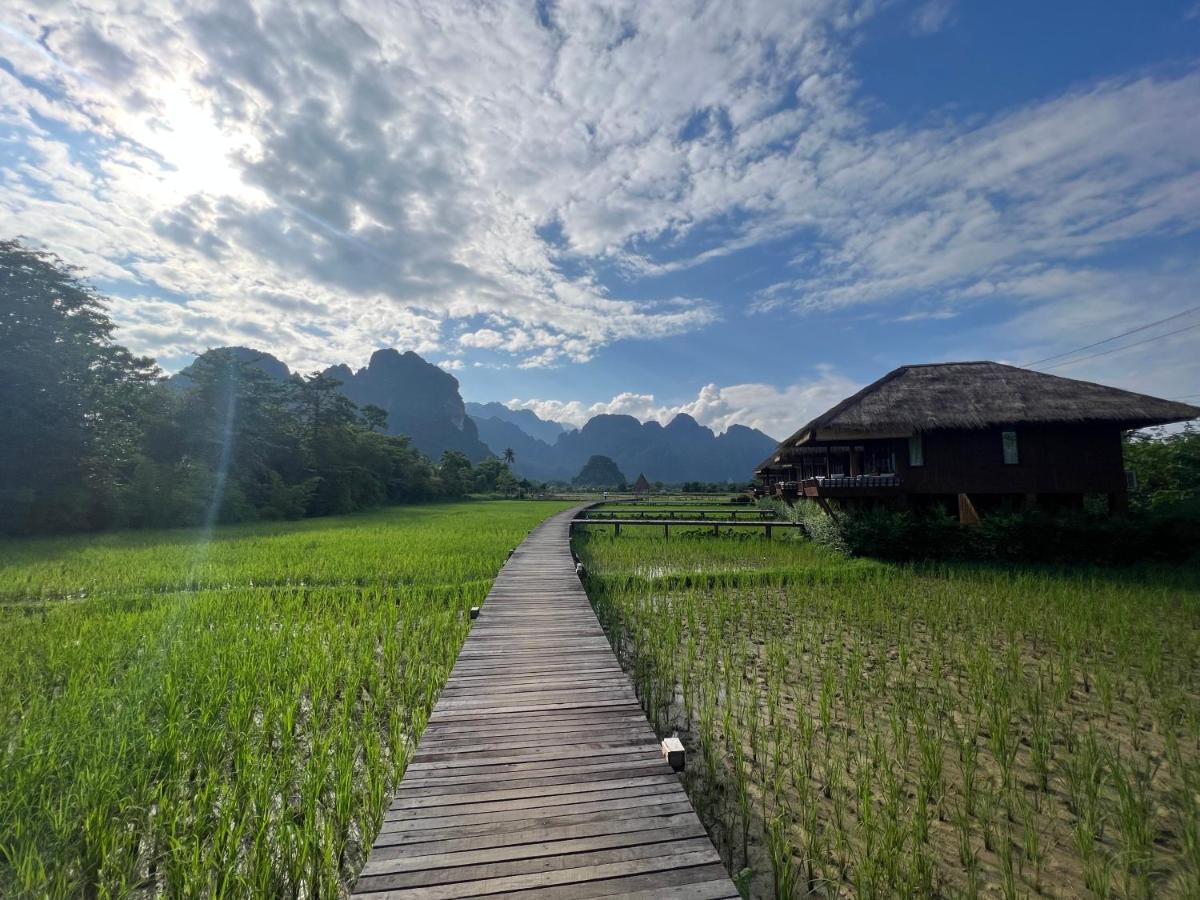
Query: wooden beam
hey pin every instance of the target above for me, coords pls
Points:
(967, 514)
(824, 504)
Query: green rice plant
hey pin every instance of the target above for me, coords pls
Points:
(864, 703)
(225, 715)
(1134, 817)
(783, 865)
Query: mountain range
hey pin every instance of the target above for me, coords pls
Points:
(525, 419)
(423, 402)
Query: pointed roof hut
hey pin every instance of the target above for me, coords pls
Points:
(641, 487)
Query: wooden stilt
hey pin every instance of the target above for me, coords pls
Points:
(967, 514)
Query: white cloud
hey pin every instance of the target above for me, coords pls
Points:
(332, 178)
(932, 16)
(776, 411)
(1059, 183)
(486, 338)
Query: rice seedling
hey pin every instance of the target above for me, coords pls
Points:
(226, 718)
(951, 730)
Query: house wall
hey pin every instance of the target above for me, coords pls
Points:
(1061, 459)
(1052, 460)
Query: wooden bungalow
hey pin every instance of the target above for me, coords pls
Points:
(971, 436)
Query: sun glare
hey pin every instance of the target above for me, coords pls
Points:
(198, 156)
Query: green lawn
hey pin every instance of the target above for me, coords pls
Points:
(859, 728)
(224, 714)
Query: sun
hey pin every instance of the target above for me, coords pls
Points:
(194, 154)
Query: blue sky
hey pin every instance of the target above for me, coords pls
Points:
(743, 211)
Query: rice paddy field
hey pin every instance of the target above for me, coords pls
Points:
(862, 729)
(224, 714)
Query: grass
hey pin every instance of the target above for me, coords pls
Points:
(224, 715)
(858, 728)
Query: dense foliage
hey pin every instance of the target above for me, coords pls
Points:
(1167, 466)
(1019, 537)
(94, 437)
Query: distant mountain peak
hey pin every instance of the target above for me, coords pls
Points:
(420, 399)
(683, 423)
(423, 402)
(525, 419)
(259, 359)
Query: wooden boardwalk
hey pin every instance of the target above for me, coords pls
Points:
(538, 775)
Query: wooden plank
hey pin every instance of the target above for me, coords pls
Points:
(490, 830)
(554, 865)
(660, 866)
(603, 835)
(537, 773)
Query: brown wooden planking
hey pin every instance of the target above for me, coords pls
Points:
(538, 775)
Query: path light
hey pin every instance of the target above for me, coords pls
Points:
(672, 751)
(474, 612)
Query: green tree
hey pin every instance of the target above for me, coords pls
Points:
(375, 417)
(72, 398)
(242, 425)
(454, 470)
(1167, 465)
(93, 436)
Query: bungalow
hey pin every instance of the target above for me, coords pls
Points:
(975, 436)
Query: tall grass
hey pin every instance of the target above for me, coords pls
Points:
(226, 719)
(878, 730)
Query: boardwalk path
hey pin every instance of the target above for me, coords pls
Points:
(538, 775)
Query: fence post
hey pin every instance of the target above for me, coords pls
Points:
(616, 529)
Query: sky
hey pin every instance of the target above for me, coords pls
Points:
(740, 210)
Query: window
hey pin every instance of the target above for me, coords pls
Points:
(916, 450)
(878, 461)
(1008, 440)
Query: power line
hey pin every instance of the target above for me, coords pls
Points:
(1071, 362)
(1178, 315)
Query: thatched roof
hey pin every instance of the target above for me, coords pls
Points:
(641, 486)
(985, 394)
(770, 461)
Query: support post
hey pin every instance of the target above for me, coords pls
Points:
(716, 529)
(666, 530)
(616, 529)
(967, 514)
(767, 531)
(828, 510)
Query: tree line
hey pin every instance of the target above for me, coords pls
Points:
(94, 436)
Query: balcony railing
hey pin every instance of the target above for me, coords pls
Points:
(813, 486)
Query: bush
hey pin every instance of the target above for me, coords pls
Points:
(1023, 537)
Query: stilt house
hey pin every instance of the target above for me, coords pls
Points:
(969, 436)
